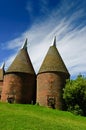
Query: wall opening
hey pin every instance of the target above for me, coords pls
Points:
(51, 101)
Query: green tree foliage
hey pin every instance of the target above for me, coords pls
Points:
(75, 95)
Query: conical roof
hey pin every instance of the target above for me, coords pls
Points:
(22, 62)
(2, 72)
(53, 61)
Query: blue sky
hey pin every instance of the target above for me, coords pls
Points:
(40, 21)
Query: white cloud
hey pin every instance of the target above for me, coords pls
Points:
(71, 42)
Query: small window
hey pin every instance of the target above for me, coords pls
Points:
(10, 99)
(51, 101)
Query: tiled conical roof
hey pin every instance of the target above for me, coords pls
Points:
(22, 62)
(1, 74)
(53, 61)
(2, 71)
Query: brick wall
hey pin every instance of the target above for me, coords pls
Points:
(21, 86)
(49, 87)
(1, 85)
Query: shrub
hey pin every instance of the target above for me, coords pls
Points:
(75, 95)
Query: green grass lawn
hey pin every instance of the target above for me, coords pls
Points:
(32, 117)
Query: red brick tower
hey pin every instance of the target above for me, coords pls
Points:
(1, 79)
(20, 80)
(51, 79)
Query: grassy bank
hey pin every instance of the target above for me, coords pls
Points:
(30, 117)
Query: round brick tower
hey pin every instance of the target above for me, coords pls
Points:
(2, 71)
(20, 80)
(51, 79)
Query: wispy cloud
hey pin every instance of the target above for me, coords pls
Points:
(37, 8)
(71, 37)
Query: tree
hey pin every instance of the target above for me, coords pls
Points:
(75, 95)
